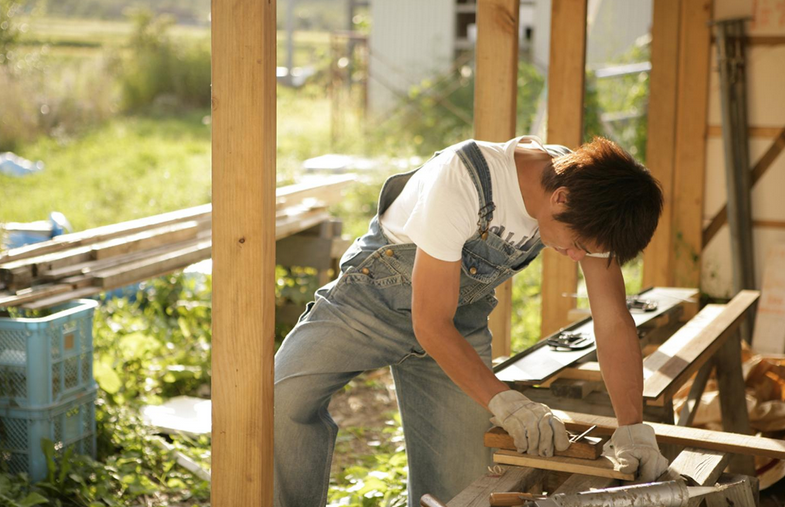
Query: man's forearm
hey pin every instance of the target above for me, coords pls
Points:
(619, 353)
(460, 362)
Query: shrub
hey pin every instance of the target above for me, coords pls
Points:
(159, 72)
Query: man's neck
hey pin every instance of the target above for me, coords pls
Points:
(529, 164)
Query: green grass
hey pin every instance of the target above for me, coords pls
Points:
(130, 167)
(85, 38)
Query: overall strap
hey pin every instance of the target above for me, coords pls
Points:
(478, 169)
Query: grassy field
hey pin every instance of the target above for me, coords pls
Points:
(84, 38)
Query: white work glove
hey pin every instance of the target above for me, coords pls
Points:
(636, 449)
(533, 427)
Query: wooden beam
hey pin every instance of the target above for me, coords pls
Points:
(661, 142)
(566, 76)
(243, 147)
(688, 437)
(752, 131)
(768, 158)
(703, 467)
(690, 407)
(690, 153)
(666, 370)
(495, 93)
(600, 467)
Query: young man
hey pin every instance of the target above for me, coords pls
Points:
(415, 293)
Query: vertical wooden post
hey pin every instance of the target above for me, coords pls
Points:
(243, 109)
(494, 114)
(661, 142)
(566, 77)
(690, 153)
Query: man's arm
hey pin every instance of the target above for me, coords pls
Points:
(618, 347)
(435, 289)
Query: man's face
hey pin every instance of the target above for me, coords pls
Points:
(559, 236)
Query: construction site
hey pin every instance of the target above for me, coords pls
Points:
(709, 317)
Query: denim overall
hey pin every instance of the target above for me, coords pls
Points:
(363, 321)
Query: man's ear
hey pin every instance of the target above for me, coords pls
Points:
(559, 198)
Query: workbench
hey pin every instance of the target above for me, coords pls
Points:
(675, 352)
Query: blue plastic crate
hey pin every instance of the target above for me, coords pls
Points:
(45, 361)
(68, 424)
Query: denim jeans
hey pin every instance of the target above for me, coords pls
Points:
(362, 321)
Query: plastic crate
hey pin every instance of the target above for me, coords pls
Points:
(48, 360)
(68, 424)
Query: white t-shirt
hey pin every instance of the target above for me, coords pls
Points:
(438, 207)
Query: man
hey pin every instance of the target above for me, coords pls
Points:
(415, 293)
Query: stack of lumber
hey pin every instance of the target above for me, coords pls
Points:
(96, 260)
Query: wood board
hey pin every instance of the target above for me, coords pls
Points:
(601, 467)
(586, 448)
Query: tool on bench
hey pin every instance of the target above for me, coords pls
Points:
(567, 341)
(581, 446)
(644, 305)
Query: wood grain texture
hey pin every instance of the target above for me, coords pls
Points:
(690, 152)
(495, 94)
(688, 437)
(601, 467)
(703, 467)
(511, 479)
(566, 76)
(243, 156)
(587, 448)
(577, 483)
(666, 370)
(660, 145)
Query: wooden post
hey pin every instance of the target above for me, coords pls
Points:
(243, 109)
(494, 114)
(690, 152)
(661, 141)
(566, 76)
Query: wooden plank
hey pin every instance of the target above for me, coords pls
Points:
(752, 131)
(730, 381)
(687, 437)
(62, 298)
(690, 407)
(601, 467)
(495, 95)
(146, 239)
(760, 168)
(147, 268)
(510, 479)
(574, 389)
(661, 142)
(589, 371)
(244, 232)
(90, 236)
(566, 76)
(326, 191)
(701, 466)
(586, 448)
(666, 370)
(33, 293)
(690, 153)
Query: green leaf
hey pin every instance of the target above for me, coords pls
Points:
(107, 378)
(33, 499)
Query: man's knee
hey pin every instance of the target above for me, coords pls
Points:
(299, 400)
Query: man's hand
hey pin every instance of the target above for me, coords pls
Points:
(532, 425)
(636, 449)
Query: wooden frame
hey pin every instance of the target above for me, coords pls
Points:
(566, 76)
(495, 96)
(243, 109)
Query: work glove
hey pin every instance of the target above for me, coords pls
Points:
(533, 427)
(636, 449)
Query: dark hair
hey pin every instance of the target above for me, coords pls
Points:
(612, 199)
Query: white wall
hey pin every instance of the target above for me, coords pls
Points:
(766, 108)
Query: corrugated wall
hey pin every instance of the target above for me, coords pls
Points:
(410, 40)
(766, 108)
